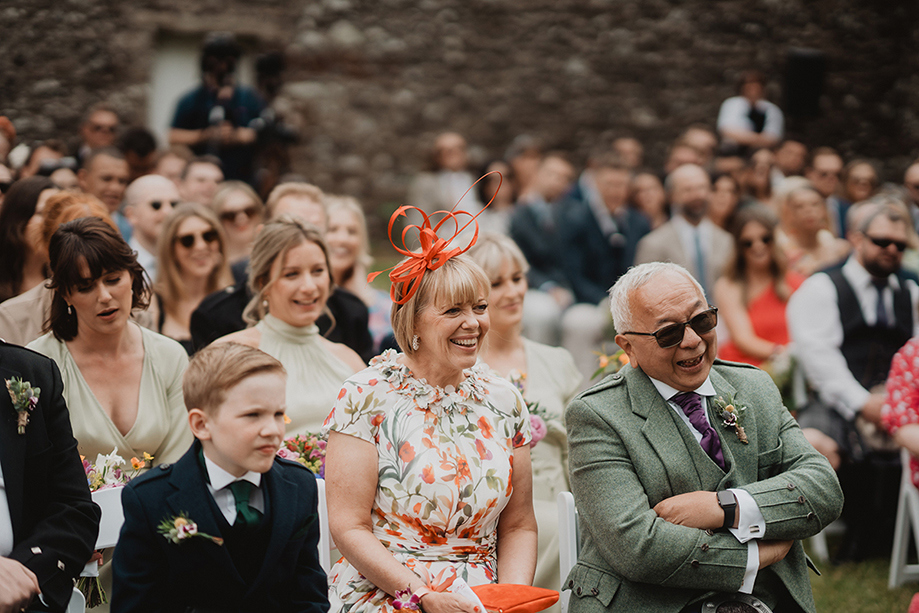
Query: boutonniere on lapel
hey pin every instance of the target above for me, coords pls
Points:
(731, 416)
(181, 528)
(24, 397)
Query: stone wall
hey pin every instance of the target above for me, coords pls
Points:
(374, 80)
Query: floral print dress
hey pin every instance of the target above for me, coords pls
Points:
(446, 459)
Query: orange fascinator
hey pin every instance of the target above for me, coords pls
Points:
(513, 598)
(435, 251)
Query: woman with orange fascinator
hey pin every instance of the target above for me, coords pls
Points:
(428, 450)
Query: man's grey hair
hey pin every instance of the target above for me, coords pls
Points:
(861, 216)
(636, 277)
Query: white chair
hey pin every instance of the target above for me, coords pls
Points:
(907, 521)
(569, 543)
(325, 536)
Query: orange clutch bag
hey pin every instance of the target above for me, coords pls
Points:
(512, 598)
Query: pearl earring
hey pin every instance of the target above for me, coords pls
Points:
(265, 304)
(415, 343)
(70, 309)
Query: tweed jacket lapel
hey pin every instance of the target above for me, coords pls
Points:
(687, 465)
(739, 457)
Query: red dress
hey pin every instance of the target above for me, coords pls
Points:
(767, 315)
(901, 407)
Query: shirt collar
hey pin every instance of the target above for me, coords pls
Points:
(667, 392)
(221, 478)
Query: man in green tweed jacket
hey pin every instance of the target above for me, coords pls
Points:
(688, 497)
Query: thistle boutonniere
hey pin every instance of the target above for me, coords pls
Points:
(731, 413)
(24, 397)
(180, 528)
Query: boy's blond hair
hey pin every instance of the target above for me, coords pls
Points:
(216, 369)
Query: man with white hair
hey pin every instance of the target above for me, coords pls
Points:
(695, 483)
(148, 201)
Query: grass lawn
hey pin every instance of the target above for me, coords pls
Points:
(859, 588)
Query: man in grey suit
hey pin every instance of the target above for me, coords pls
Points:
(693, 482)
(689, 239)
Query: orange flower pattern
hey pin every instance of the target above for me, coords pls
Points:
(444, 472)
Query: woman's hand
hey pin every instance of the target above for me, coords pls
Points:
(445, 602)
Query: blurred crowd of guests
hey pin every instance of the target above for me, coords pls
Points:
(119, 258)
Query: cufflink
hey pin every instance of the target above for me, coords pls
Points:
(36, 551)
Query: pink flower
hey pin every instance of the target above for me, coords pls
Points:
(287, 454)
(538, 429)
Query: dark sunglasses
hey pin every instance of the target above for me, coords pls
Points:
(158, 204)
(746, 244)
(95, 127)
(884, 243)
(5, 186)
(188, 240)
(672, 335)
(228, 216)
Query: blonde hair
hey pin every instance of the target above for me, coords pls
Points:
(304, 190)
(351, 205)
(227, 188)
(273, 241)
(459, 281)
(218, 368)
(169, 284)
(492, 250)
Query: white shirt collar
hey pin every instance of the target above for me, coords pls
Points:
(221, 478)
(706, 389)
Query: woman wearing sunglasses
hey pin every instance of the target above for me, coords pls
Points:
(804, 236)
(754, 290)
(240, 211)
(190, 265)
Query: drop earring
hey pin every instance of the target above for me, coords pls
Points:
(415, 343)
(70, 310)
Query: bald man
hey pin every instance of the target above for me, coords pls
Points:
(148, 201)
(689, 239)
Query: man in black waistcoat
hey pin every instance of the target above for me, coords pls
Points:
(847, 322)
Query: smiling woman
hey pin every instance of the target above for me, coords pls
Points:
(290, 281)
(427, 452)
(191, 263)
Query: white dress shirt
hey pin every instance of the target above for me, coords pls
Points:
(6, 522)
(751, 524)
(816, 329)
(223, 496)
(144, 257)
(735, 113)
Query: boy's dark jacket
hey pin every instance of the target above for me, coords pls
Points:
(152, 573)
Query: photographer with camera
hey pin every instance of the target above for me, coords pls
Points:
(217, 116)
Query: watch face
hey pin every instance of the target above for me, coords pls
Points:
(726, 499)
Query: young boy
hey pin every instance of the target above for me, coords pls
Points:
(229, 527)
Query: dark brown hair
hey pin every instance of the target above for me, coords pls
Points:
(18, 208)
(736, 269)
(94, 242)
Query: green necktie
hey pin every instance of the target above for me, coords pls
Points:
(246, 516)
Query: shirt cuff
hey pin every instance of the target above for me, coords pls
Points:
(750, 524)
(749, 576)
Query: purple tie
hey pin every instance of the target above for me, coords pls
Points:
(691, 403)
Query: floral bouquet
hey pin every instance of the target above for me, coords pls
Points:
(109, 471)
(308, 449)
(538, 416)
(609, 364)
